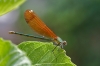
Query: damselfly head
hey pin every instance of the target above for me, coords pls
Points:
(63, 43)
(60, 42)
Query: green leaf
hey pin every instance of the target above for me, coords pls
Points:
(8, 5)
(10, 55)
(41, 54)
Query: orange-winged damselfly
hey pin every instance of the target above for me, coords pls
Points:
(40, 27)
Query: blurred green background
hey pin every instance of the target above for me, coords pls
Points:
(76, 21)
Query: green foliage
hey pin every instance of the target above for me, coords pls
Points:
(8, 5)
(10, 55)
(40, 53)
